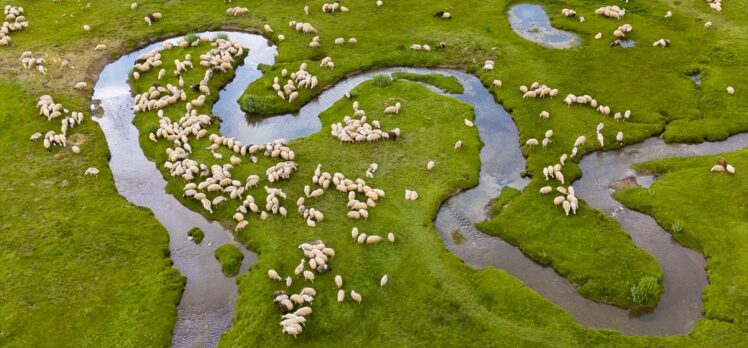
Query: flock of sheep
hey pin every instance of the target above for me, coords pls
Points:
(51, 110)
(357, 130)
(722, 166)
(14, 21)
(317, 257)
(298, 80)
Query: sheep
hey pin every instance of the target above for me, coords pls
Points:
(385, 279)
(567, 12)
(532, 142)
(668, 14)
(488, 65)
(339, 41)
(581, 140)
(619, 137)
(267, 28)
(708, 25)
(92, 172)
(100, 47)
(661, 43)
(545, 115)
(391, 238)
(309, 276)
(545, 190)
(468, 123)
(430, 165)
(717, 168)
(356, 296)
(76, 150)
(341, 295)
(274, 275)
(600, 139)
(338, 281)
(598, 36)
(458, 145)
(395, 109)
(353, 41)
(36, 136)
(614, 12)
(730, 169)
(86, 28)
(730, 90)
(134, 6)
(380, 3)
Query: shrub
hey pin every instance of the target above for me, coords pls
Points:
(222, 36)
(191, 37)
(254, 104)
(645, 291)
(197, 235)
(382, 80)
(230, 258)
(677, 227)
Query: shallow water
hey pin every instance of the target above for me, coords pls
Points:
(206, 308)
(532, 23)
(696, 78)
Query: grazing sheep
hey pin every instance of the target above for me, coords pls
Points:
(383, 281)
(356, 296)
(546, 190)
(468, 123)
(309, 276)
(92, 172)
(708, 25)
(274, 275)
(730, 90)
(458, 145)
(391, 237)
(430, 165)
(532, 142)
(545, 115)
(598, 36)
(717, 168)
(86, 28)
(134, 6)
(338, 281)
(341, 295)
(730, 169)
(619, 137)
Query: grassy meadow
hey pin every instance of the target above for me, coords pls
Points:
(84, 268)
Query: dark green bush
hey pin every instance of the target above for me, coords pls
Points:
(254, 104)
(646, 291)
(382, 80)
(230, 258)
(197, 235)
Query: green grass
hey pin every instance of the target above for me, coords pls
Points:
(653, 83)
(230, 258)
(448, 84)
(80, 265)
(707, 212)
(589, 248)
(197, 235)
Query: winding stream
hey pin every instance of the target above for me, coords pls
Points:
(206, 307)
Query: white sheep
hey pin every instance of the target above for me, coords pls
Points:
(385, 279)
(92, 172)
(430, 165)
(458, 145)
(274, 275)
(532, 142)
(545, 189)
(730, 90)
(356, 296)
(341, 295)
(391, 238)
